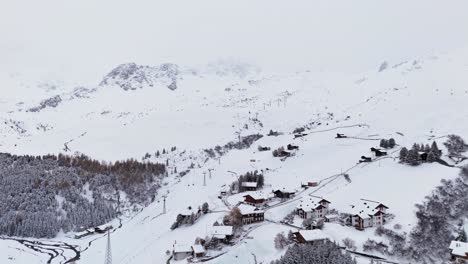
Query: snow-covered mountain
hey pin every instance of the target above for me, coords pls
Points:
(209, 90)
(134, 111)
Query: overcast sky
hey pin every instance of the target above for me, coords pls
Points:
(86, 38)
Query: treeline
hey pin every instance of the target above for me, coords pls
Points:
(242, 143)
(128, 172)
(41, 195)
(387, 143)
(440, 216)
(253, 176)
(420, 153)
(325, 252)
(440, 219)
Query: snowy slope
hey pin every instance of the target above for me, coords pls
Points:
(423, 99)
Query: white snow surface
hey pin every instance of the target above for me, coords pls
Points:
(419, 98)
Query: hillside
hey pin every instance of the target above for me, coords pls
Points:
(136, 111)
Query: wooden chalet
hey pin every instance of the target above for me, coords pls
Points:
(365, 159)
(181, 251)
(223, 233)
(309, 184)
(423, 155)
(310, 236)
(367, 213)
(198, 251)
(187, 213)
(339, 135)
(249, 186)
(257, 198)
(284, 193)
(312, 207)
(292, 147)
(378, 152)
(251, 214)
(459, 251)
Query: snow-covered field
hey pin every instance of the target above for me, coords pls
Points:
(414, 102)
(414, 98)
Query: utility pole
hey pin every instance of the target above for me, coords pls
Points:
(209, 171)
(108, 250)
(204, 178)
(164, 204)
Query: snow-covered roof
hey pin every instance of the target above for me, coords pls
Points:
(249, 184)
(332, 216)
(365, 208)
(222, 231)
(188, 212)
(285, 190)
(182, 248)
(248, 209)
(260, 195)
(198, 249)
(310, 203)
(313, 235)
(459, 248)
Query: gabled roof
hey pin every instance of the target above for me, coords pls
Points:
(259, 195)
(198, 249)
(248, 209)
(249, 184)
(182, 248)
(311, 203)
(188, 212)
(222, 231)
(313, 235)
(459, 248)
(284, 190)
(366, 208)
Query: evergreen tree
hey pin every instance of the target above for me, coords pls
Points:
(427, 148)
(205, 207)
(455, 145)
(383, 143)
(435, 149)
(260, 181)
(391, 143)
(324, 252)
(413, 157)
(291, 236)
(431, 157)
(403, 154)
(462, 236)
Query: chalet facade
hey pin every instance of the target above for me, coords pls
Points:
(251, 214)
(198, 251)
(249, 186)
(312, 207)
(459, 251)
(257, 199)
(367, 213)
(190, 212)
(310, 236)
(284, 193)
